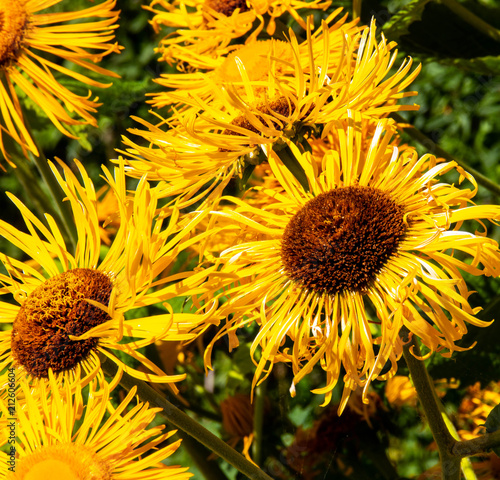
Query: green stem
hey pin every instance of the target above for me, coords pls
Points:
(37, 196)
(465, 463)
(63, 208)
(450, 464)
(356, 9)
(258, 422)
(187, 424)
(435, 149)
(289, 160)
(469, 17)
(209, 469)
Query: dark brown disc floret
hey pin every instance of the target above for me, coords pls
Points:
(227, 7)
(52, 312)
(13, 25)
(341, 239)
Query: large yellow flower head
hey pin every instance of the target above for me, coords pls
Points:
(204, 29)
(30, 41)
(57, 438)
(332, 271)
(70, 309)
(301, 94)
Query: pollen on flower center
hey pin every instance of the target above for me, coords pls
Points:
(13, 22)
(341, 239)
(64, 462)
(54, 311)
(227, 7)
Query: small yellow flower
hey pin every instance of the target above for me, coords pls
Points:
(204, 29)
(70, 308)
(333, 270)
(243, 122)
(30, 40)
(57, 438)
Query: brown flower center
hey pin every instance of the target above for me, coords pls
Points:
(13, 22)
(279, 107)
(341, 239)
(55, 310)
(227, 7)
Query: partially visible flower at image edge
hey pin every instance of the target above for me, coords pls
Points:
(204, 29)
(333, 272)
(258, 58)
(28, 39)
(71, 309)
(58, 438)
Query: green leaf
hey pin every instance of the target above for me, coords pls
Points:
(453, 33)
(492, 423)
(400, 23)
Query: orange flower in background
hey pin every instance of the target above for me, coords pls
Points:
(30, 40)
(204, 29)
(399, 390)
(475, 408)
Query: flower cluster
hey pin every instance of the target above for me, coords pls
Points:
(268, 199)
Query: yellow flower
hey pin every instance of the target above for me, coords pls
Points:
(57, 438)
(70, 308)
(32, 46)
(256, 58)
(400, 391)
(296, 100)
(332, 272)
(204, 29)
